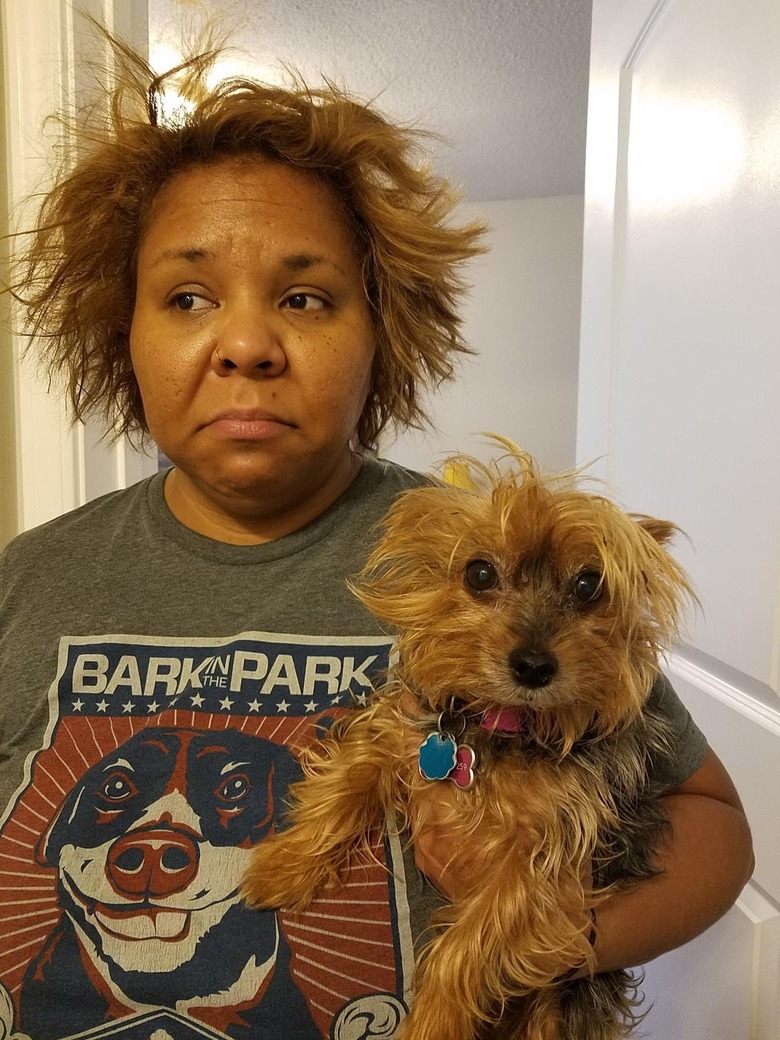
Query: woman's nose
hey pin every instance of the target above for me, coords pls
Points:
(249, 343)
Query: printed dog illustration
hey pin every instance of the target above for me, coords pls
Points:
(150, 847)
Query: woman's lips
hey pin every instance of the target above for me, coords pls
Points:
(248, 425)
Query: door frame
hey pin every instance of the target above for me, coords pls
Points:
(53, 465)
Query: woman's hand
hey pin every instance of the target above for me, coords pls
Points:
(433, 847)
(435, 807)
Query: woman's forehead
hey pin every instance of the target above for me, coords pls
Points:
(205, 206)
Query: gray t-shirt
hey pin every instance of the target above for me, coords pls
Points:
(155, 685)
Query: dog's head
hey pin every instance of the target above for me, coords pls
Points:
(151, 844)
(523, 591)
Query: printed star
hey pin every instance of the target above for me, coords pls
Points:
(127, 707)
(152, 708)
(282, 706)
(254, 705)
(197, 700)
(310, 706)
(102, 705)
(226, 703)
(336, 699)
(360, 698)
(78, 705)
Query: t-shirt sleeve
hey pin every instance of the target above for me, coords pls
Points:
(687, 743)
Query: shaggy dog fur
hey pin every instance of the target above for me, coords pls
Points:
(531, 617)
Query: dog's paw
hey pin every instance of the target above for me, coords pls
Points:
(434, 1020)
(280, 879)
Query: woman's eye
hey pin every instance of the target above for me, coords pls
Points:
(302, 301)
(588, 586)
(480, 575)
(188, 301)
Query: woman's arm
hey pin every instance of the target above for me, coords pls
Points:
(704, 864)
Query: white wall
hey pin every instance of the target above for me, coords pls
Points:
(523, 319)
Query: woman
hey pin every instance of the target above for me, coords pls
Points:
(261, 287)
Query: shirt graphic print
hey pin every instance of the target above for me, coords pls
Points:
(164, 763)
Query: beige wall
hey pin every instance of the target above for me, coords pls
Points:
(523, 319)
(8, 471)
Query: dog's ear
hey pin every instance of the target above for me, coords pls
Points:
(285, 770)
(661, 530)
(49, 845)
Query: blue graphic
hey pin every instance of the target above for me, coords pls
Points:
(437, 756)
(245, 675)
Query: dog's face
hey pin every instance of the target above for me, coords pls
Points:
(152, 843)
(527, 593)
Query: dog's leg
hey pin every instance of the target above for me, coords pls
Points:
(506, 939)
(334, 814)
(604, 1007)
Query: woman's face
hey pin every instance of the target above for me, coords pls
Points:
(252, 344)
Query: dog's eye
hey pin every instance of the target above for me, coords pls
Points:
(117, 788)
(588, 586)
(480, 575)
(234, 789)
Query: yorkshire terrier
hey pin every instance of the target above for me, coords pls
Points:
(531, 616)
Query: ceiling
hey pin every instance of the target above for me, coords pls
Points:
(504, 82)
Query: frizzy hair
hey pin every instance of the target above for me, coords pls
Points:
(76, 277)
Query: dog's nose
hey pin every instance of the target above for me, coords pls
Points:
(533, 668)
(152, 863)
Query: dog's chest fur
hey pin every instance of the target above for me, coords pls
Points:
(598, 797)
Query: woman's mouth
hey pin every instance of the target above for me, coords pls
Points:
(248, 425)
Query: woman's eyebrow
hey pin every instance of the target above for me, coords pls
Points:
(302, 261)
(294, 262)
(193, 255)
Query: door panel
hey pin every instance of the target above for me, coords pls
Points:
(679, 382)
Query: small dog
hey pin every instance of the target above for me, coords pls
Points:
(531, 616)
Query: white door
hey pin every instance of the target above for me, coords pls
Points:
(53, 465)
(678, 399)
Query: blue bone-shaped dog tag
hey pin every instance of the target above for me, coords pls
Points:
(437, 756)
